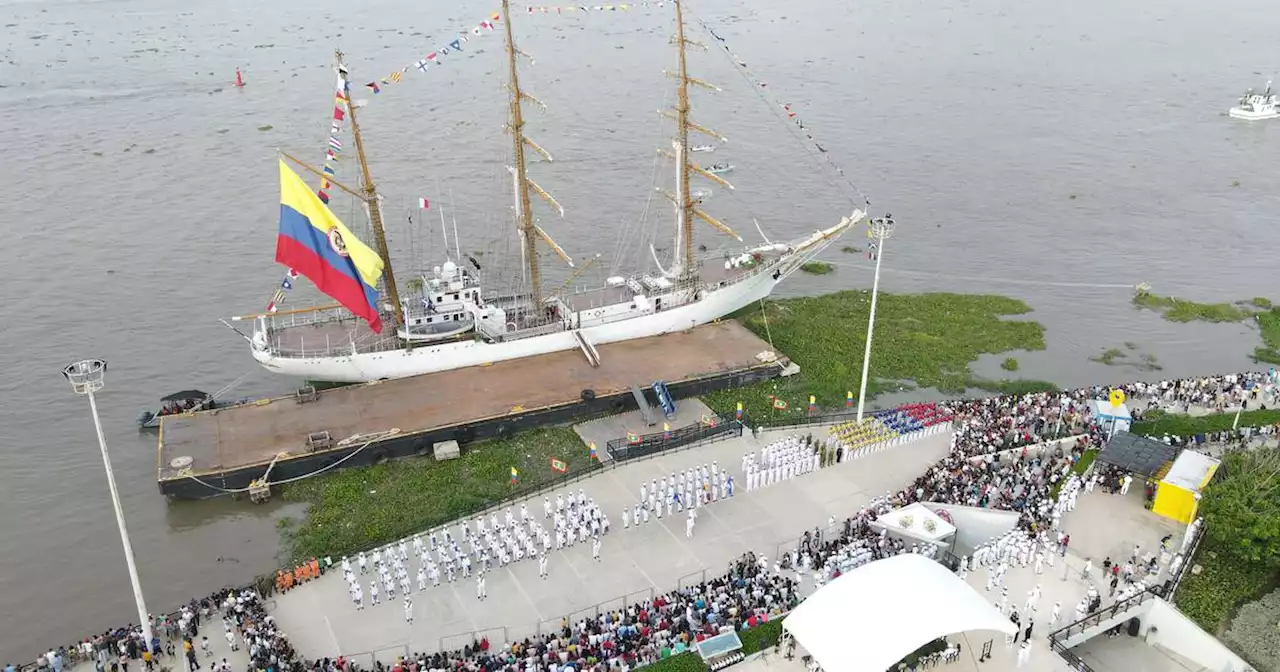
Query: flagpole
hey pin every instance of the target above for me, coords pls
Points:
(881, 229)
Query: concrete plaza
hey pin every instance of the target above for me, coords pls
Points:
(1102, 525)
(635, 563)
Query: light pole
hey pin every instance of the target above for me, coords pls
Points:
(881, 230)
(86, 377)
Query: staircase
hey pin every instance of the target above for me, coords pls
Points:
(593, 357)
(1100, 621)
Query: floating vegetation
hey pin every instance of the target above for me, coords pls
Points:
(1009, 364)
(1118, 357)
(265, 127)
(1258, 310)
(1109, 357)
(927, 339)
(849, 249)
(818, 268)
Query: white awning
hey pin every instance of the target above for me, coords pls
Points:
(876, 615)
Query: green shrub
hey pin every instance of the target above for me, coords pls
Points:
(760, 637)
(1176, 424)
(1009, 364)
(1222, 584)
(689, 661)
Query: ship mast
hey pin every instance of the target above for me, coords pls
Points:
(530, 232)
(371, 199)
(686, 210)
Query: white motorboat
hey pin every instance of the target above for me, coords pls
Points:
(1257, 106)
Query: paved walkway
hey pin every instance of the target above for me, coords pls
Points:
(321, 620)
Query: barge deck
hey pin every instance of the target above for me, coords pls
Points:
(209, 453)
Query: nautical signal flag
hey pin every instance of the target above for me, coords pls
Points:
(515, 476)
(315, 243)
(374, 86)
(423, 203)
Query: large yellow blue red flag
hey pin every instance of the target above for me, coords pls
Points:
(316, 244)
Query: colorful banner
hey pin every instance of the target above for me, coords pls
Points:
(574, 9)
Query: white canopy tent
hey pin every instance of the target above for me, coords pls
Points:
(876, 615)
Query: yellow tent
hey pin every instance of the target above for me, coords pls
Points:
(1177, 495)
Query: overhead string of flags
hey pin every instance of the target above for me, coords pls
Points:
(567, 9)
(436, 57)
(762, 88)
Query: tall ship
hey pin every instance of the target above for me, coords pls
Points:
(446, 319)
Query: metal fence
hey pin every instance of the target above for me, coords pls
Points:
(368, 660)
(497, 637)
(620, 603)
(630, 448)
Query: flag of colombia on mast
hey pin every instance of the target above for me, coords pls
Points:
(316, 244)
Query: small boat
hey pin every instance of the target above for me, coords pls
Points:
(185, 401)
(702, 148)
(1256, 106)
(719, 168)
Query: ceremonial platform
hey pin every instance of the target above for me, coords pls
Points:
(210, 453)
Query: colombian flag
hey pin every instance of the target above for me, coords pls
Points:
(317, 245)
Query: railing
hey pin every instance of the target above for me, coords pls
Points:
(456, 641)
(378, 655)
(1171, 586)
(1106, 613)
(624, 449)
(1073, 661)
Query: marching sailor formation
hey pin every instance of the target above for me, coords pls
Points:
(780, 460)
(684, 491)
(1020, 548)
(491, 543)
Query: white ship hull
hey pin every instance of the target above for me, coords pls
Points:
(1250, 114)
(369, 366)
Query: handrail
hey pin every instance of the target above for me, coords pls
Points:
(1097, 617)
(1073, 661)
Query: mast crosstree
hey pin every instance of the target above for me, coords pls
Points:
(686, 208)
(530, 232)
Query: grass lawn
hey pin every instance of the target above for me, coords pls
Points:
(1176, 424)
(928, 339)
(356, 509)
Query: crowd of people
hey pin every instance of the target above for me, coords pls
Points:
(989, 464)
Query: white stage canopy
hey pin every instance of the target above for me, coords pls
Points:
(876, 615)
(916, 521)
